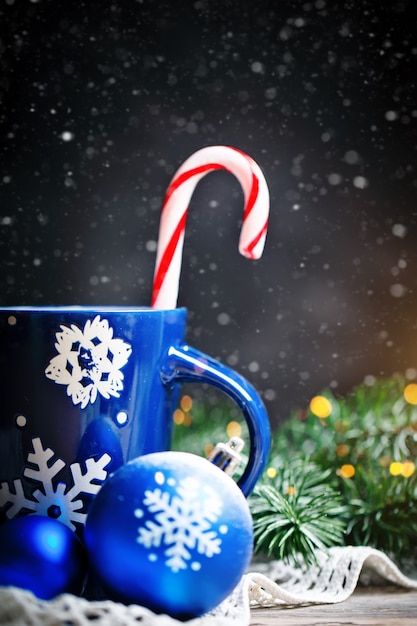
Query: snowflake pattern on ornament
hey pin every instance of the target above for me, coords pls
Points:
(89, 361)
(54, 500)
(183, 522)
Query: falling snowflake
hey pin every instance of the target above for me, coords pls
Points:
(89, 361)
(54, 500)
(183, 522)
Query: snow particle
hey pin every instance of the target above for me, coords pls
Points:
(223, 319)
(122, 418)
(410, 373)
(397, 290)
(159, 478)
(21, 421)
(351, 157)
(399, 230)
(257, 67)
(334, 179)
(391, 116)
(151, 246)
(299, 22)
(233, 359)
(271, 93)
(67, 136)
(360, 182)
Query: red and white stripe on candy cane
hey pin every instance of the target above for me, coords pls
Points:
(175, 208)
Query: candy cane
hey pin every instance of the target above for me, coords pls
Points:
(175, 208)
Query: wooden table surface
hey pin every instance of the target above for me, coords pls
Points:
(376, 606)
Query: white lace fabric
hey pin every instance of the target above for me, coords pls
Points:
(275, 583)
(333, 580)
(22, 608)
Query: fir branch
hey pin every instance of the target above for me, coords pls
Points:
(382, 511)
(332, 473)
(297, 513)
(366, 432)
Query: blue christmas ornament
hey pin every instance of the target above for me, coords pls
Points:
(42, 555)
(169, 531)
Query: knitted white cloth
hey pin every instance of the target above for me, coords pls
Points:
(334, 580)
(273, 584)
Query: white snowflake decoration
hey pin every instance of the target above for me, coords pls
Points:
(89, 361)
(54, 500)
(183, 522)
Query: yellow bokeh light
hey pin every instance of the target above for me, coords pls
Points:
(342, 449)
(347, 471)
(233, 429)
(271, 472)
(188, 419)
(410, 393)
(320, 406)
(208, 448)
(186, 403)
(178, 417)
(291, 490)
(408, 469)
(395, 468)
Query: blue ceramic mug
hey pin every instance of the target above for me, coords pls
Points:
(83, 390)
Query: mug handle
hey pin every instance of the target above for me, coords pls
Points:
(186, 364)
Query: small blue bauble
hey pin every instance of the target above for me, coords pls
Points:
(169, 531)
(41, 555)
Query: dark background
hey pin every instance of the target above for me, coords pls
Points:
(102, 101)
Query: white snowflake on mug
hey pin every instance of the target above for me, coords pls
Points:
(183, 522)
(52, 498)
(89, 361)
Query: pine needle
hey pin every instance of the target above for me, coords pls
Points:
(297, 513)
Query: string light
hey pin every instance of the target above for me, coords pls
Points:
(271, 472)
(408, 469)
(209, 447)
(233, 429)
(342, 449)
(405, 469)
(395, 468)
(182, 416)
(186, 403)
(320, 407)
(347, 471)
(178, 417)
(410, 393)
